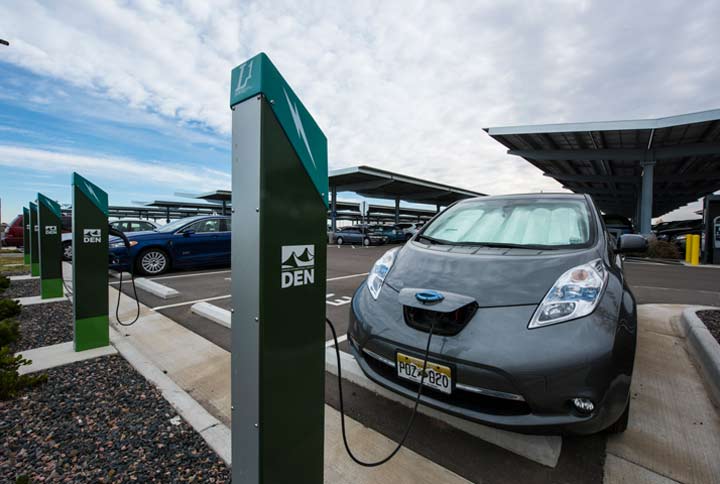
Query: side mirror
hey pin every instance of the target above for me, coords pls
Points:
(188, 232)
(632, 243)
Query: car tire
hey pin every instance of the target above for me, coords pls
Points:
(67, 250)
(622, 423)
(152, 262)
(366, 242)
(339, 241)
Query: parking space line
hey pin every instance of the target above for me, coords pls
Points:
(331, 342)
(206, 299)
(346, 277)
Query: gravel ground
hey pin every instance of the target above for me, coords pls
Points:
(23, 289)
(44, 325)
(101, 421)
(711, 318)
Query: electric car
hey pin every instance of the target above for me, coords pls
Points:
(533, 324)
(200, 241)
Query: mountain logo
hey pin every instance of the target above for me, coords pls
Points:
(92, 236)
(246, 71)
(51, 230)
(297, 265)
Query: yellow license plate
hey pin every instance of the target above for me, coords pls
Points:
(439, 377)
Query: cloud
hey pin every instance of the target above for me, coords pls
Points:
(113, 168)
(403, 85)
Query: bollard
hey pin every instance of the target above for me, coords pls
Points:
(695, 252)
(688, 248)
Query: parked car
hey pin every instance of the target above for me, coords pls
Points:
(200, 241)
(359, 234)
(14, 233)
(533, 325)
(393, 233)
(123, 225)
(676, 231)
(618, 225)
(409, 229)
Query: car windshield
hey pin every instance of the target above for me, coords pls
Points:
(176, 224)
(526, 222)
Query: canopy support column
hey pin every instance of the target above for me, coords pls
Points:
(397, 210)
(646, 196)
(333, 209)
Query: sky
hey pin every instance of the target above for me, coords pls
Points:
(134, 94)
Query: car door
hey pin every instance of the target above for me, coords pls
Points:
(198, 243)
(225, 241)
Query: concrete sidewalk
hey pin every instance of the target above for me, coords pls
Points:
(202, 369)
(674, 430)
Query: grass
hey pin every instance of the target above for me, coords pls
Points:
(8, 261)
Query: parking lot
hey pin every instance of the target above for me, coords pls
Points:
(582, 458)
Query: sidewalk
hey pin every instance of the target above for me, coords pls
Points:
(202, 369)
(674, 430)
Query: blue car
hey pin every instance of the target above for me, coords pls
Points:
(200, 241)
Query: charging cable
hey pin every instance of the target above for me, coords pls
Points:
(125, 240)
(412, 416)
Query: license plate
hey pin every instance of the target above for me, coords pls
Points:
(438, 377)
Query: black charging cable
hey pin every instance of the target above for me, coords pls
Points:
(412, 416)
(125, 240)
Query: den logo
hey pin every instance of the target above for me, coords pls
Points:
(51, 230)
(298, 265)
(92, 236)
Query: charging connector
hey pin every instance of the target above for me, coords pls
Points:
(125, 240)
(412, 416)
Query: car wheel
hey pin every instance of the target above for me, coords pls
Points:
(366, 242)
(339, 241)
(152, 262)
(67, 251)
(622, 423)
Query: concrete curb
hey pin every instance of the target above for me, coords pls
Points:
(24, 277)
(213, 313)
(214, 432)
(543, 449)
(155, 288)
(704, 348)
(59, 355)
(30, 300)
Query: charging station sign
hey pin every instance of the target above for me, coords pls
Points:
(50, 248)
(298, 265)
(92, 236)
(34, 247)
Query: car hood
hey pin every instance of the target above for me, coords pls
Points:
(147, 234)
(491, 276)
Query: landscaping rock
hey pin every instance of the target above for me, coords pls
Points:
(44, 325)
(100, 421)
(711, 318)
(27, 288)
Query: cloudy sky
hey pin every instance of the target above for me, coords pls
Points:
(134, 94)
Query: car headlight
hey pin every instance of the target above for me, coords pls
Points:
(575, 294)
(377, 274)
(118, 245)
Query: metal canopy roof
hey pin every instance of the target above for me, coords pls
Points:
(605, 159)
(216, 196)
(373, 183)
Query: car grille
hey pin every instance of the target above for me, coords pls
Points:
(459, 398)
(446, 324)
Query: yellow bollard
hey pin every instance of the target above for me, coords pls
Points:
(688, 247)
(695, 253)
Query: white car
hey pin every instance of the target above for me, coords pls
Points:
(123, 225)
(409, 229)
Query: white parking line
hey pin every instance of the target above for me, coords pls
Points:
(167, 306)
(331, 342)
(346, 277)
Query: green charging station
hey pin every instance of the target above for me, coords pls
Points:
(26, 236)
(50, 247)
(34, 246)
(280, 187)
(90, 262)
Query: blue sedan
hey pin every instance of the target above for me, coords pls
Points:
(189, 242)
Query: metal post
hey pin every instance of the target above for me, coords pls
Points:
(224, 203)
(646, 201)
(167, 214)
(333, 209)
(437, 208)
(397, 210)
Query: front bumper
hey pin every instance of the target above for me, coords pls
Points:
(505, 375)
(119, 260)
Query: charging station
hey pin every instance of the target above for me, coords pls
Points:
(90, 262)
(711, 211)
(26, 236)
(34, 247)
(280, 187)
(50, 245)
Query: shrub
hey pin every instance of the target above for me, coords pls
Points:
(11, 381)
(9, 332)
(9, 308)
(4, 283)
(660, 249)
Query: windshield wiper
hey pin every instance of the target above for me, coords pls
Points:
(504, 245)
(433, 240)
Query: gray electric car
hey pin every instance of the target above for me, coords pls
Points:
(534, 327)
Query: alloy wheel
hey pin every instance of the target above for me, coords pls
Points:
(153, 262)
